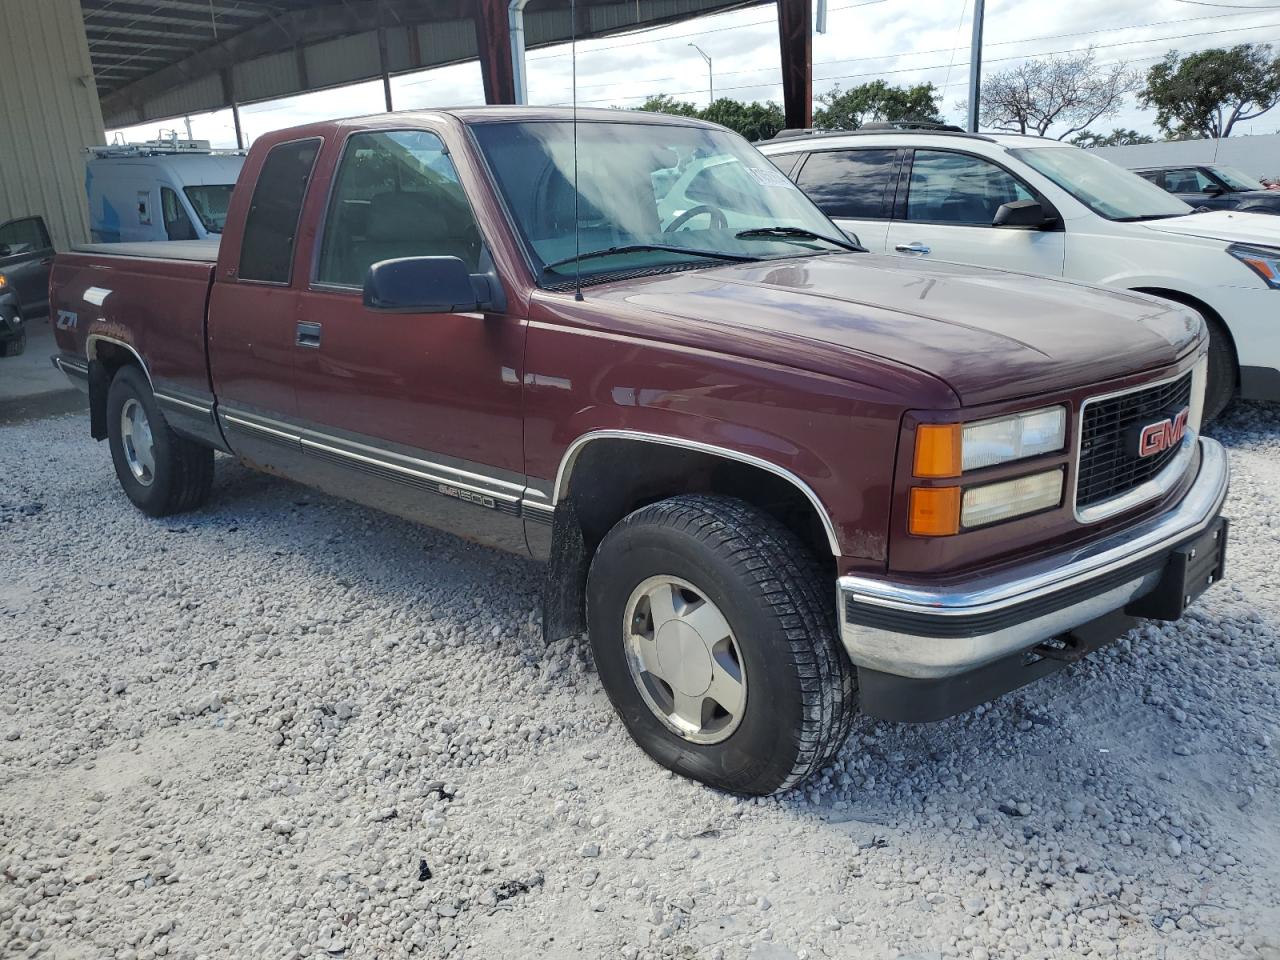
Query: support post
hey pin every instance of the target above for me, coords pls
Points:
(382, 65)
(493, 45)
(229, 95)
(975, 66)
(515, 39)
(795, 38)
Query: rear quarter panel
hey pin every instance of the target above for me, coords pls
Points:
(154, 307)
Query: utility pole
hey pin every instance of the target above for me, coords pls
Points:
(975, 66)
(711, 86)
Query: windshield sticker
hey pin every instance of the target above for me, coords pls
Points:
(768, 177)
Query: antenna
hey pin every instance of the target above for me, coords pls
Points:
(577, 197)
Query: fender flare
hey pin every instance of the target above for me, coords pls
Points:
(568, 460)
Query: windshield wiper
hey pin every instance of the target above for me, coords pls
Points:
(648, 247)
(796, 233)
(1141, 218)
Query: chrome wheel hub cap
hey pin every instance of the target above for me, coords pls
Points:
(685, 660)
(135, 439)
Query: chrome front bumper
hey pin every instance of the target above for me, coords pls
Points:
(916, 631)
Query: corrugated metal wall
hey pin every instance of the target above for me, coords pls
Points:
(48, 113)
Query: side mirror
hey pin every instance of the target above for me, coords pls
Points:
(1026, 214)
(4, 250)
(424, 285)
(1214, 190)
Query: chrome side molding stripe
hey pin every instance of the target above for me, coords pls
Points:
(184, 405)
(72, 366)
(493, 493)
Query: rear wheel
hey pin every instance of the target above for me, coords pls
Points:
(160, 471)
(714, 636)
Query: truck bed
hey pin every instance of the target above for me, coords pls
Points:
(200, 251)
(144, 298)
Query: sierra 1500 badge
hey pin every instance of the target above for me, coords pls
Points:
(1165, 435)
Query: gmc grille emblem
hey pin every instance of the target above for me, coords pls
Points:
(1165, 435)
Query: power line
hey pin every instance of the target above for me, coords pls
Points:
(943, 66)
(1231, 6)
(702, 33)
(951, 50)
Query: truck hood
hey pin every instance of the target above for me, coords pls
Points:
(988, 334)
(1229, 226)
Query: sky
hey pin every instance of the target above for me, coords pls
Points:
(901, 41)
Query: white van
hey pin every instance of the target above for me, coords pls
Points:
(138, 194)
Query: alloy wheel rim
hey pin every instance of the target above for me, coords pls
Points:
(137, 442)
(685, 660)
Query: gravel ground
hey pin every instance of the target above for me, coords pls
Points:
(287, 726)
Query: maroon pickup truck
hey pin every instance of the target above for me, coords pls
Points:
(776, 478)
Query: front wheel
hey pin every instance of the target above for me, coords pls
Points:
(714, 636)
(160, 471)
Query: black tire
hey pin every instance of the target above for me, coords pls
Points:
(801, 696)
(14, 346)
(183, 475)
(1224, 373)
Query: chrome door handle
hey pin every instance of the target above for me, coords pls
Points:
(308, 334)
(914, 247)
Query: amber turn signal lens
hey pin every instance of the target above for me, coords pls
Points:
(938, 450)
(935, 511)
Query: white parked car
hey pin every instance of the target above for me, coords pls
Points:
(1035, 205)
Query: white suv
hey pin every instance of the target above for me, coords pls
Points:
(1040, 206)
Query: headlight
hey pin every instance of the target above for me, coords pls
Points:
(951, 450)
(1012, 498)
(989, 442)
(1264, 261)
(947, 450)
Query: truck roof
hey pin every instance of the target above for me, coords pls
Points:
(478, 115)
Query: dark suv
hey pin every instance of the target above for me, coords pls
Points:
(26, 256)
(1214, 187)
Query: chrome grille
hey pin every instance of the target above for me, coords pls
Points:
(1109, 461)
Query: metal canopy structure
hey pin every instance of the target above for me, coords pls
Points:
(159, 59)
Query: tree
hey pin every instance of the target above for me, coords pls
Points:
(877, 100)
(1206, 94)
(1071, 91)
(664, 103)
(755, 121)
(1118, 137)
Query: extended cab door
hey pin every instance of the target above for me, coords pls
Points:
(945, 210)
(419, 414)
(854, 187)
(252, 306)
(26, 256)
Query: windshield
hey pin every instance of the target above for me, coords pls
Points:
(1106, 189)
(645, 184)
(210, 203)
(1236, 180)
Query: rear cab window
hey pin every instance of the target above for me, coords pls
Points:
(271, 228)
(850, 184)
